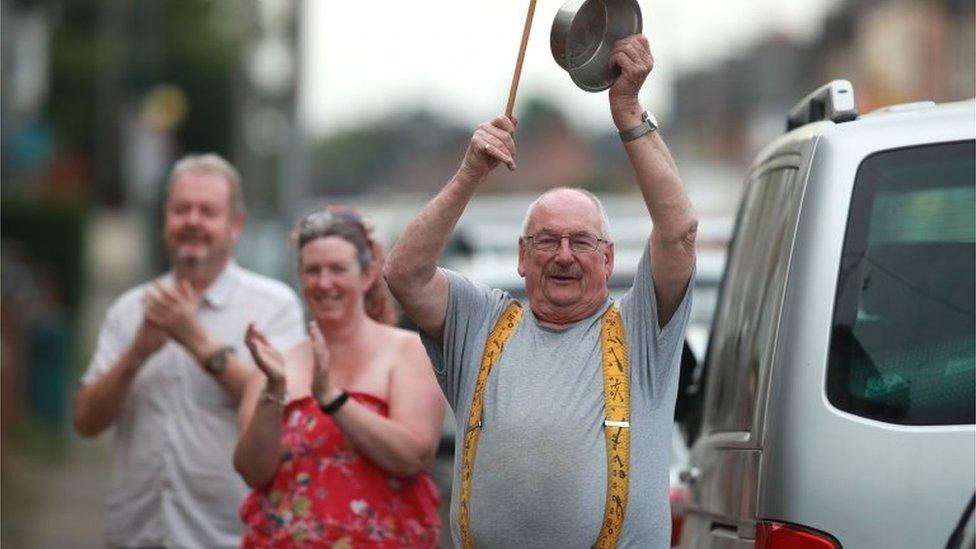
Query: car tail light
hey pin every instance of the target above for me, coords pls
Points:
(679, 503)
(777, 535)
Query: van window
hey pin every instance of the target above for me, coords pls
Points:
(752, 295)
(902, 341)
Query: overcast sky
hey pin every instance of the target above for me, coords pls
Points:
(367, 59)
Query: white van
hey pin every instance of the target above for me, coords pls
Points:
(840, 379)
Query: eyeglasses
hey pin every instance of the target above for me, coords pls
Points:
(547, 241)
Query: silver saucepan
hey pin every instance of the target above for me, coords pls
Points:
(583, 33)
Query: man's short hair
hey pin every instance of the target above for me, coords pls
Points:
(604, 220)
(211, 163)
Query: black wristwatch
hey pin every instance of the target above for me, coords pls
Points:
(217, 362)
(333, 407)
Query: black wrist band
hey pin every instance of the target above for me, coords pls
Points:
(332, 407)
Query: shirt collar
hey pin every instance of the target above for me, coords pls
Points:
(218, 293)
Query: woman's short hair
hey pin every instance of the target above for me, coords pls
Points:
(353, 227)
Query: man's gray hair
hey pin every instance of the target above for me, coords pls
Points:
(604, 220)
(211, 163)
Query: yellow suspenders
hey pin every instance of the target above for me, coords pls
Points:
(616, 397)
(493, 350)
(616, 427)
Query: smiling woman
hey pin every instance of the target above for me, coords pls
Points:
(338, 431)
(347, 228)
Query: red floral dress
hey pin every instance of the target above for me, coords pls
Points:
(326, 494)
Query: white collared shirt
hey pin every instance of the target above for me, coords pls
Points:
(173, 481)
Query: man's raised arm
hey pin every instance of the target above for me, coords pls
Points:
(675, 224)
(411, 268)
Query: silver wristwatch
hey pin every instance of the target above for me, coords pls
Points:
(217, 362)
(647, 125)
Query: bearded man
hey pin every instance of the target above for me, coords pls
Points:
(168, 371)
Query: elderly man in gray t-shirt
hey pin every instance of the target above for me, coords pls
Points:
(546, 437)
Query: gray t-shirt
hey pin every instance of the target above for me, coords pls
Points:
(540, 470)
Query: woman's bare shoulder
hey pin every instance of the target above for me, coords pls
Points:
(405, 338)
(405, 343)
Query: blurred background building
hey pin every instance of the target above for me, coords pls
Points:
(893, 51)
(99, 98)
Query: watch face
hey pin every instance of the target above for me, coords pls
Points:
(216, 363)
(648, 117)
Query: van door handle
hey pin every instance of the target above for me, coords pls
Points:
(725, 530)
(690, 475)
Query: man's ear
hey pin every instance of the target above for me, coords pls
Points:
(521, 256)
(608, 260)
(236, 225)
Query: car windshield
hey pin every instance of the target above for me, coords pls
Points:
(902, 343)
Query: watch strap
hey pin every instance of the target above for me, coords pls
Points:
(333, 407)
(648, 124)
(217, 362)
